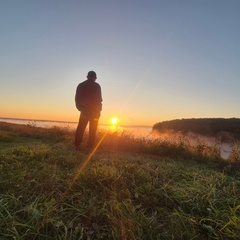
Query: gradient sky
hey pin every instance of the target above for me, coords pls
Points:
(156, 60)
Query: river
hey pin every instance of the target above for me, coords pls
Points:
(143, 131)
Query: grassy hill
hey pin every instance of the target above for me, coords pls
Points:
(129, 188)
(220, 127)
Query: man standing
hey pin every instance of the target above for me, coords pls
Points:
(88, 101)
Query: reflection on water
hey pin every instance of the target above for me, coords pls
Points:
(138, 131)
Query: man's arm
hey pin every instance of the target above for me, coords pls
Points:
(100, 98)
(78, 98)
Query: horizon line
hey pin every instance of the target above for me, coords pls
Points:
(61, 121)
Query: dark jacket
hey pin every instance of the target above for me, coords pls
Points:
(88, 98)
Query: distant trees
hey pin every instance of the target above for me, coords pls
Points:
(204, 126)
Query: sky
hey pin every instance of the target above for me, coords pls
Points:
(155, 60)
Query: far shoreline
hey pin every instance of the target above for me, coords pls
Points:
(67, 122)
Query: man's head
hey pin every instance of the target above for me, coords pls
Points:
(92, 76)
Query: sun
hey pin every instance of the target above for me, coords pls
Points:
(114, 121)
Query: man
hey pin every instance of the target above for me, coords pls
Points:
(88, 101)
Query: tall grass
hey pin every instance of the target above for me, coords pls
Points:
(132, 188)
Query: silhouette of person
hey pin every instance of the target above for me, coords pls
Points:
(88, 101)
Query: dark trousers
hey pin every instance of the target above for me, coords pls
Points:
(82, 124)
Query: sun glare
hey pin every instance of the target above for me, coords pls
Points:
(114, 126)
(114, 121)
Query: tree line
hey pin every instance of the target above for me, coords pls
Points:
(204, 126)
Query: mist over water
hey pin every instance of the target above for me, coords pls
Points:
(196, 139)
(137, 131)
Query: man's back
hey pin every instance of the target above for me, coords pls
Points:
(89, 98)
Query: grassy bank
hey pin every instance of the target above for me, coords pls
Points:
(130, 188)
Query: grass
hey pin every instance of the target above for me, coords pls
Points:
(131, 188)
